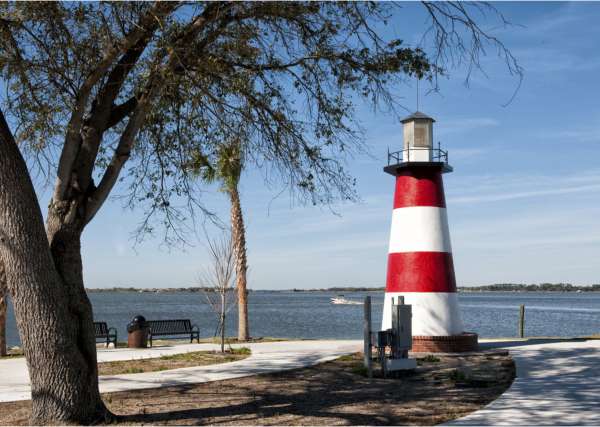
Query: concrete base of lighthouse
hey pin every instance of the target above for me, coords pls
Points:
(436, 323)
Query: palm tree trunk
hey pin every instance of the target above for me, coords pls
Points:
(238, 234)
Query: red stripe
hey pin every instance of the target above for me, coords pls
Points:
(419, 187)
(420, 272)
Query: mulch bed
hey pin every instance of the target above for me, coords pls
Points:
(442, 388)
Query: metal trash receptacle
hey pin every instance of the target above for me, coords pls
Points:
(137, 332)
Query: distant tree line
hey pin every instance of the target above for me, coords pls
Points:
(523, 287)
(497, 287)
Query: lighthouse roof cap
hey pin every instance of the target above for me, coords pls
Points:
(417, 115)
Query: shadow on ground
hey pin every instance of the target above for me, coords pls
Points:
(525, 342)
(324, 395)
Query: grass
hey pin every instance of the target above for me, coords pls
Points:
(194, 356)
(430, 358)
(217, 340)
(12, 355)
(359, 370)
(133, 370)
(457, 376)
(174, 361)
(347, 358)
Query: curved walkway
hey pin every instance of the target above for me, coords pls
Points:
(558, 383)
(265, 357)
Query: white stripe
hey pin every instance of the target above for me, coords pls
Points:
(419, 229)
(433, 313)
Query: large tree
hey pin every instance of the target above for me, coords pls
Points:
(101, 93)
(3, 310)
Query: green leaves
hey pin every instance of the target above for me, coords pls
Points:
(269, 85)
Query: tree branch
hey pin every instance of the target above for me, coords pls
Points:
(122, 153)
(119, 112)
(73, 137)
(127, 139)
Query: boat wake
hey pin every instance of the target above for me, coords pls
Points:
(344, 301)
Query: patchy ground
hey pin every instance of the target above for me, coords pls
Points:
(175, 361)
(18, 352)
(334, 393)
(210, 340)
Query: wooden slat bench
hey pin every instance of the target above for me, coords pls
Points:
(104, 332)
(171, 328)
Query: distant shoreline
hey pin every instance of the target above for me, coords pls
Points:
(545, 287)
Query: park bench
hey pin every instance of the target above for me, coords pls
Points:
(104, 332)
(171, 328)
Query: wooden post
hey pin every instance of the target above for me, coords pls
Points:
(522, 321)
(367, 337)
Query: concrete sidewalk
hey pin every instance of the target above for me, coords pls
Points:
(266, 357)
(558, 383)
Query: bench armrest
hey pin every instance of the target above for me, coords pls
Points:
(197, 329)
(113, 330)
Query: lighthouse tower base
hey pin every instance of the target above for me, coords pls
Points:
(436, 323)
(465, 342)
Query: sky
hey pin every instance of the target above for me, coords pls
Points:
(523, 200)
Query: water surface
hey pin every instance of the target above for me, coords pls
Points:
(311, 315)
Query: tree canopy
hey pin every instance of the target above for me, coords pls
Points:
(130, 91)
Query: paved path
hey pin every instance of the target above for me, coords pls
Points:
(266, 357)
(558, 383)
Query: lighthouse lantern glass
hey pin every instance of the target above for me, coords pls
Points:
(418, 140)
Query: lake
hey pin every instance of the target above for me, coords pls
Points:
(311, 315)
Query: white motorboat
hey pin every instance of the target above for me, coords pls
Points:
(342, 300)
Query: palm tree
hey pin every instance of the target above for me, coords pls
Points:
(227, 169)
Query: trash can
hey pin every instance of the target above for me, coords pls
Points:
(137, 332)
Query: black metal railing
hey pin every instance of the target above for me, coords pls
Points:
(409, 154)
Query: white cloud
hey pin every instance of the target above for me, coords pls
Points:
(487, 188)
(525, 194)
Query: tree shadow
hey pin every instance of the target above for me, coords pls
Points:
(324, 395)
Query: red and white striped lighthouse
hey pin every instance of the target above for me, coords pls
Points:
(420, 266)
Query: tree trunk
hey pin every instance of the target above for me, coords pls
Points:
(222, 321)
(3, 308)
(238, 234)
(53, 318)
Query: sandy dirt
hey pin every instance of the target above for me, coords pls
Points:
(333, 393)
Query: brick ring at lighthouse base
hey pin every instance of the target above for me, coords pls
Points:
(420, 266)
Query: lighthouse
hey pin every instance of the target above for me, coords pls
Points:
(420, 266)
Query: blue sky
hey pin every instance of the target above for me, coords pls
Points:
(523, 200)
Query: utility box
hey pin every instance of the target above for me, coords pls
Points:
(402, 326)
(401, 338)
(398, 340)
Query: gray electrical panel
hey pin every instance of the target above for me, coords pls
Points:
(402, 328)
